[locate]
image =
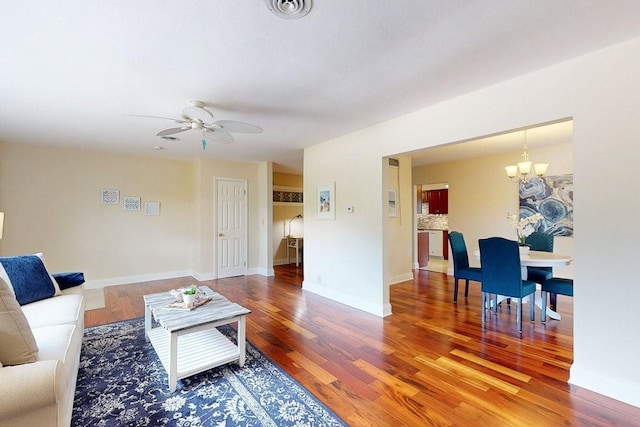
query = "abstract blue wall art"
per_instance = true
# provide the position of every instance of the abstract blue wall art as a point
(552, 197)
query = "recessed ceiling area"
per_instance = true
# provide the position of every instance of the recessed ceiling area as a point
(537, 136)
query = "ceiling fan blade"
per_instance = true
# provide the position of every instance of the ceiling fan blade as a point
(156, 117)
(198, 113)
(172, 131)
(238, 127)
(218, 135)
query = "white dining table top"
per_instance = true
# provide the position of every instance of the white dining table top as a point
(539, 259)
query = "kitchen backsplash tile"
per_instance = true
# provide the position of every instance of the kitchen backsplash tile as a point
(432, 222)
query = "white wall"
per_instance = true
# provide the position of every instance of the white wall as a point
(601, 92)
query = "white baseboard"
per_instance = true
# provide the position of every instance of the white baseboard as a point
(401, 278)
(381, 310)
(200, 277)
(618, 388)
(261, 271)
(101, 283)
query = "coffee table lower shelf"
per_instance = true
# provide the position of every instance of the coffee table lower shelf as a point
(197, 351)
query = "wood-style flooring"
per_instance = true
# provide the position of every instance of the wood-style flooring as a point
(429, 363)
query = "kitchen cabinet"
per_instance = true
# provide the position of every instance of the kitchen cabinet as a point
(435, 243)
(438, 201)
(423, 248)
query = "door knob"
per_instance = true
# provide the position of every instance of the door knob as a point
(220, 234)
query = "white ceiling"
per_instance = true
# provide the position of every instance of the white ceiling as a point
(71, 70)
(536, 136)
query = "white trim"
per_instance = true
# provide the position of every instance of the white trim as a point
(245, 248)
(201, 277)
(348, 300)
(261, 271)
(401, 278)
(616, 388)
(123, 280)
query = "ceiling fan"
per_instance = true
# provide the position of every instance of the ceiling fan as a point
(196, 116)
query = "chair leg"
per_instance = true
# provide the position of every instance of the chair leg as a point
(553, 300)
(532, 306)
(466, 288)
(519, 315)
(455, 290)
(484, 306)
(544, 306)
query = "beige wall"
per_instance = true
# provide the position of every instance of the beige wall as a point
(400, 228)
(481, 196)
(51, 198)
(282, 215)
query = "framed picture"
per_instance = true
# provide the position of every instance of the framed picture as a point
(110, 197)
(393, 205)
(131, 203)
(326, 201)
(152, 208)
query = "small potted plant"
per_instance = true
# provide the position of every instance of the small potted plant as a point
(524, 228)
(189, 295)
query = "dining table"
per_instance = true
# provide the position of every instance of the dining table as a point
(530, 258)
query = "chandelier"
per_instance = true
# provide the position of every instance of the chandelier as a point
(522, 171)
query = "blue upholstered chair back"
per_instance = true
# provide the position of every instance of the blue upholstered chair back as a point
(501, 271)
(458, 251)
(540, 242)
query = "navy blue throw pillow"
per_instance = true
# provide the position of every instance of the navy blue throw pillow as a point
(69, 280)
(29, 278)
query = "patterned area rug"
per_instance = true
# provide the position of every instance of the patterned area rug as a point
(121, 382)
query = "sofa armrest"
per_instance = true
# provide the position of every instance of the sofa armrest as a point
(27, 387)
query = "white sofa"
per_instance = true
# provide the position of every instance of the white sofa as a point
(41, 393)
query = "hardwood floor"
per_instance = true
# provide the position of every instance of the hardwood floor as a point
(430, 363)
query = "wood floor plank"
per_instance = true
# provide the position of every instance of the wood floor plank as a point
(431, 362)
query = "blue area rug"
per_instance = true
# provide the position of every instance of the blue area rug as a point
(121, 382)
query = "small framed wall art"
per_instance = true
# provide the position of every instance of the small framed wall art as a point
(326, 201)
(110, 197)
(131, 203)
(393, 206)
(152, 208)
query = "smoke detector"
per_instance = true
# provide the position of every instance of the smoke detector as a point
(289, 9)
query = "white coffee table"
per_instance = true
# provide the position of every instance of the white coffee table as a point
(187, 342)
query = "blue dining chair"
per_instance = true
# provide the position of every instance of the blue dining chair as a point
(502, 275)
(461, 269)
(555, 286)
(539, 242)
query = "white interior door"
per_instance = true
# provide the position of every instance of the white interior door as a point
(232, 227)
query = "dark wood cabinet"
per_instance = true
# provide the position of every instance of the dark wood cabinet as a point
(445, 244)
(423, 249)
(438, 201)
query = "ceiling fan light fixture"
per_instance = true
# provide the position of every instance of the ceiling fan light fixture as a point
(289, 9)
